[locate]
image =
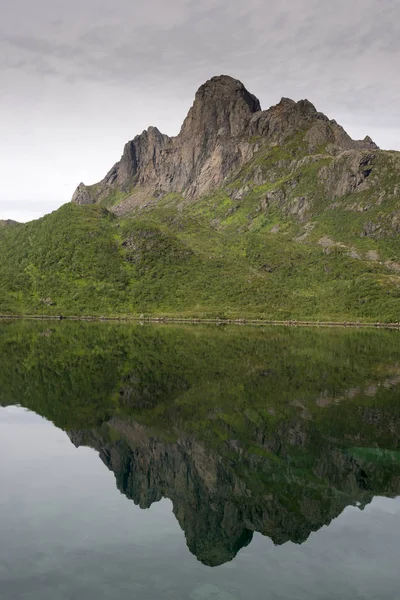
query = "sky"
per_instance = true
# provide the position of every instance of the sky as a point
(80, 78)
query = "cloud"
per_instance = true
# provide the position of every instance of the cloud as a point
(146, 40)
(337, 47)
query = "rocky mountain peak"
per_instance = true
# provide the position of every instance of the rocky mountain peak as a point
(222, 107)
(216, 139)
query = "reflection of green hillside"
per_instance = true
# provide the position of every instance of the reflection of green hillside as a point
(273, 430)
(227, 378)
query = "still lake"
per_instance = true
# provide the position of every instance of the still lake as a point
(198, 462)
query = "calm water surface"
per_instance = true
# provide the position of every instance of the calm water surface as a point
(198, 463)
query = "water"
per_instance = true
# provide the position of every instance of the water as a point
(198, 463)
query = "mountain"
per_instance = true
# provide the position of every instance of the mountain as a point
(275, 431)
(274, 214)
(224, 130)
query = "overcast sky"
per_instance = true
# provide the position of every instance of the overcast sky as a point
(79, 78)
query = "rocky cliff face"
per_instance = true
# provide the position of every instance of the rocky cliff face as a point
(224, 129)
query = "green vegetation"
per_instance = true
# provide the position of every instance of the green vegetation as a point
(281, 250)
(218, 382)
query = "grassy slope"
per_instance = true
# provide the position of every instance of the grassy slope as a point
(218, 256)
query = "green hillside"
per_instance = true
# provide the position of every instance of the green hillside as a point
(215, 257)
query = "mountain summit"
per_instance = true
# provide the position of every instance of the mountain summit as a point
(222, 131)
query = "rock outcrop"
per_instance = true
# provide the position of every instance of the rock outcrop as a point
(7, 223)
(347, 173)
(222, 131)
(82, 195)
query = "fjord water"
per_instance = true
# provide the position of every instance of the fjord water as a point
(198, 462)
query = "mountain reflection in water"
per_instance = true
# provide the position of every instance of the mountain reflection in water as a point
(270, 430)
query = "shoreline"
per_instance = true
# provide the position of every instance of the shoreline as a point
(216, 321)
